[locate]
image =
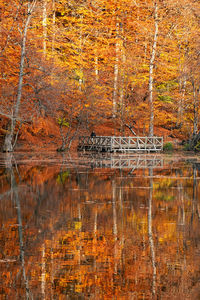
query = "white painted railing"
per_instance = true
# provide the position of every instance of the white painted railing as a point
(121, 144)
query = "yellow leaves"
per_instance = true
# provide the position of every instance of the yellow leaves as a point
(165, 183)
(167, 231)
(78, 74)
(78, 288)
(62, 177)
(77, 225)
(63, 122)
(160, 187)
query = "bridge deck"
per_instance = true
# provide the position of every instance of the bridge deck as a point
(120, 144)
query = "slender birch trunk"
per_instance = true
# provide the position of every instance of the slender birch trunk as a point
(8, 143)
(44, 24)
(96, 63)
(195, 108)
(121, 93)
(81, 53)
(96, 58)
(53, 26)
(116, 71)
(151, 71)
(182, 86)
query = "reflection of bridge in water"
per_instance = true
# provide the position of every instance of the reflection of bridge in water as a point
(122, 161)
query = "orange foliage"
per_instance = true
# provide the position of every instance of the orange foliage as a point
(75, 51)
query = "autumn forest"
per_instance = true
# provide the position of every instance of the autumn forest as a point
(107, 225)
(70, 67)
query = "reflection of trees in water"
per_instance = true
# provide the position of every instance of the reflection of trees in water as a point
(28, 200)
(97, 234)
(195, 211)
(11, 169)
(150, 231)
(195, 204)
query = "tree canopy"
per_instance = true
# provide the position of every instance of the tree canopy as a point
(99, 62)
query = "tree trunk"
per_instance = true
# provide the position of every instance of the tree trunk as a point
(195, 108)
(96, 58)
(44, 24)
(53, 26)
(96, 61)
(122, 81)
(80, 54)
(182, 87)
(116, 72)
(151, 69)
(8, 143)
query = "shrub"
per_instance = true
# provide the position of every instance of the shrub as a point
(168, 147)
(186, 147)
(197, 146)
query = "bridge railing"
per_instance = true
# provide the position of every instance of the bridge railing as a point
(94, 143)
(137, 143)
(122, 144)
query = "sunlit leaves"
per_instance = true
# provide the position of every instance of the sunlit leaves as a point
(62, 177)
(63, 122)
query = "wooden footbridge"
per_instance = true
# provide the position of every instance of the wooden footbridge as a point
(120, 144)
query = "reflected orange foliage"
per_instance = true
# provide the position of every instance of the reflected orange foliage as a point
(86, 232)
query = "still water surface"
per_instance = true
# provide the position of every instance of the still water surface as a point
(99, 227)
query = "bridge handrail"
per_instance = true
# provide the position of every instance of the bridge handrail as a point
(123, 142)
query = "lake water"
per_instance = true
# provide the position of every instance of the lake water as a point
(99, 227)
